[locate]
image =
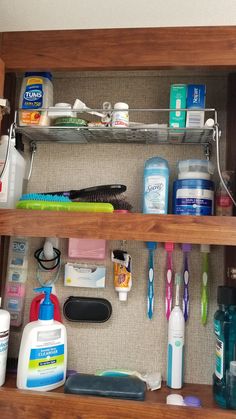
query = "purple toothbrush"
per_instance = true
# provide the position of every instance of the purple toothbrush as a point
(186, 248)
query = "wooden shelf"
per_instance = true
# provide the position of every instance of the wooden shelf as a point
(132, 226)
(19, 404)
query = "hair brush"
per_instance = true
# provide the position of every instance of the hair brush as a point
(94, 193)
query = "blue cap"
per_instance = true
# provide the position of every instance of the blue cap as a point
(47, 75)
(192, 401)
(46, 310)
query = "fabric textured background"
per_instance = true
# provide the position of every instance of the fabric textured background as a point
(129, 339)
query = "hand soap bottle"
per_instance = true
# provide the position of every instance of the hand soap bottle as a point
(43, 350)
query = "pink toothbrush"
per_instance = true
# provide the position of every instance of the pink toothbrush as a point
(169, 247)
(186, 248)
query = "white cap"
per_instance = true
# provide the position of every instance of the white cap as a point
(176, 399)
(233, 367)
(123, 296)
(121, 105)
(210, 122)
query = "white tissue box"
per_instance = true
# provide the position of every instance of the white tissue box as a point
(84, 276)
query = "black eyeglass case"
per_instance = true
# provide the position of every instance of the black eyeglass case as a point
(87, 309)
(126, 387)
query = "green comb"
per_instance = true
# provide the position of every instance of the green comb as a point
(65, 206)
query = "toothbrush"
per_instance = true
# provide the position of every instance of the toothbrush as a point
(205, 250)
(175, 358)
(169, 247)
(186, 248)
(150, 297)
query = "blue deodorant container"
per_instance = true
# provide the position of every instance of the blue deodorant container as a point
(156, 183)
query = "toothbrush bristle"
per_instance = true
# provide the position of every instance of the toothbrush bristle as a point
(169, 246)
(186, 247)
(177, 279)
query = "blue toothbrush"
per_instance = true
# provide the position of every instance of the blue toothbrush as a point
(150, 297)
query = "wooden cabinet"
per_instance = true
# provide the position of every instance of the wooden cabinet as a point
(117, 49)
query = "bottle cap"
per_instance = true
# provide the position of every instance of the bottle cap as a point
(226, 295)
(39, 74)
(192, 401)
(121, 105)
(176, 399)
(123, 296)
(233, 367)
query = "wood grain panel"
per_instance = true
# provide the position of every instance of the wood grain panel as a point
(21, 404)
(118, 49)
(159, 228)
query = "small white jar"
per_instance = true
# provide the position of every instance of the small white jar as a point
(120, 115)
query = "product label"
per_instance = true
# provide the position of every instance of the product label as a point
(33, 95)
(46, 366)
(122, 275)
(155, 195)
(219, 367)
(32, 99)
(194, 202)
(4, 336)
(219, 360)
(217, 327)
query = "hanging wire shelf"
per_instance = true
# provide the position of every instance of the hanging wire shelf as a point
(138, 133)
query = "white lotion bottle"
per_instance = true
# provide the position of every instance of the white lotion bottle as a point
(4, 336)
(43, 350)
(176, 328)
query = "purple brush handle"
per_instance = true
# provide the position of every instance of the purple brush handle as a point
(186, 289)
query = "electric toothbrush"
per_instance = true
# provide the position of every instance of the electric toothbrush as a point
(176, 328)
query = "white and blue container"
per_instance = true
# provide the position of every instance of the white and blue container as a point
(156, 183)
(43, 350)
(36, 94)
(193, 191)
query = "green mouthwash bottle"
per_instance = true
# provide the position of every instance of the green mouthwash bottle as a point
(225, 331)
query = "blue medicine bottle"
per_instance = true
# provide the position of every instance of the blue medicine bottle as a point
(225, 331)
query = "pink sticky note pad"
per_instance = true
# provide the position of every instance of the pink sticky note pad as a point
(87, 249)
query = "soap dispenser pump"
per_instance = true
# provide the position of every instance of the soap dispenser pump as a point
(43, 350)
(46, 310)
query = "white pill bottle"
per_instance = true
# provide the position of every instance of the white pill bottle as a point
(36, 95)
(120, 115)
(4, 336)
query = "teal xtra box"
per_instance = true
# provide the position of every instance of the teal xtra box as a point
(178, 95)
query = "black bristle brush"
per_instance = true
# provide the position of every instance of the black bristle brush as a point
(102, 193)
